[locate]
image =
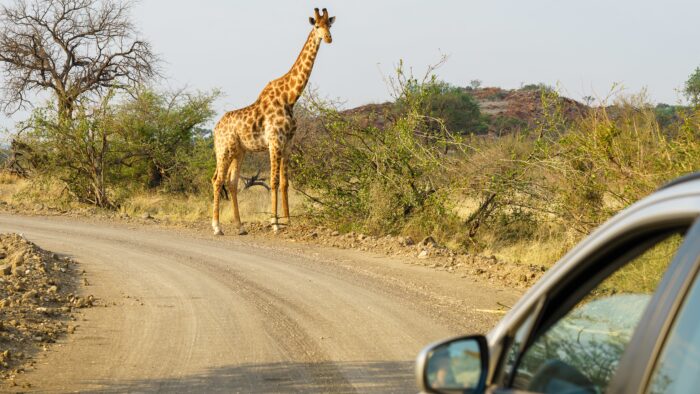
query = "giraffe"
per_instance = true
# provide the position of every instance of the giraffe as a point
(267, 124)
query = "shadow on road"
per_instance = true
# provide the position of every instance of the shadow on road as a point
(325, 377)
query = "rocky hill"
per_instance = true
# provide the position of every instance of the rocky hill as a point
(509, 109)
(504, 110)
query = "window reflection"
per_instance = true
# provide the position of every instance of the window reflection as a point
(580, 352)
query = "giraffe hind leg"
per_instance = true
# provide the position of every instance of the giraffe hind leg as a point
(284, 187)
(235, 170)
(222, 165)
(275, 156)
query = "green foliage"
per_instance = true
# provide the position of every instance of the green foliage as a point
(503, 124)
(407, 173)
(667, 115)
(538, 87)
(607, 163)
(455, 107)
(578, 174)
(379, 181)
(161, 141)
(148, 140)
(76, 150)
(692, 87)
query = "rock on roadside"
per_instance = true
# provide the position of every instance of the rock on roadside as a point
(37, 296)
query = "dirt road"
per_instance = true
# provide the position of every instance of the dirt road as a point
(187, 312)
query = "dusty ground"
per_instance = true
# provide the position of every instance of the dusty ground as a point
(426, 252)
(190, 312)
(37, 303)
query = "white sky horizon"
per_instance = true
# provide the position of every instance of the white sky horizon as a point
(584, 48)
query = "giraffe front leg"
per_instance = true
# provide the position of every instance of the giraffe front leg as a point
(275, 158)
(284, 187)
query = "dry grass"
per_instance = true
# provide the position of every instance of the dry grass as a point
(10, 185)
(26, 194)
(254, 206)
(254, 203)
(537, 252)
(7, 178)
(544, 248)
(643, 274)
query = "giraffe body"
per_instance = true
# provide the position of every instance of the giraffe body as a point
(267, 124)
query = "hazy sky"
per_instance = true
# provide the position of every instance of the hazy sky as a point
(585, 46)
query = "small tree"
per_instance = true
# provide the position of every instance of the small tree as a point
(158, 132)
(692, 88)
(141, 141)
(75, 150)
(456, 108)
(71, 48)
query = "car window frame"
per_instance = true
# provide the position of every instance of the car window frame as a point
(597, 266)
(633, 376)
(501, 375)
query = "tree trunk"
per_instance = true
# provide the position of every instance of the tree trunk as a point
(155, 176)
(66, 106)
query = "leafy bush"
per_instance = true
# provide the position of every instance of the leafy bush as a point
(74, 150)
(143, 141)
(363, 178)
(161, 141)
(580, 174)
(455, 107)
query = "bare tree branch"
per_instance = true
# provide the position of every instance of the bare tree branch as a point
(72, 48)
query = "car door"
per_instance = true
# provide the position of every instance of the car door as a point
(676, 367)
(577, 338)
(664, 357)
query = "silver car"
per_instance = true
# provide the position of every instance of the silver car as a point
(620, 313)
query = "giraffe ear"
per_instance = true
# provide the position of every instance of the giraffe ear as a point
(331, 20)
(312, 20)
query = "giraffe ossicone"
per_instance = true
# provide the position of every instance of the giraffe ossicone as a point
(267, 124)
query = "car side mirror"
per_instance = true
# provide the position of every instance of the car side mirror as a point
(458, 365)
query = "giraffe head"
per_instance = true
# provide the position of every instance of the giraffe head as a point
(322, 25)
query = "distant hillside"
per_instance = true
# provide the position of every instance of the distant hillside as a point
(504, 110)
(509, 109)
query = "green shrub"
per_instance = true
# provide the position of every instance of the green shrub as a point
(150, 140)
(578, 174)
(375, 180)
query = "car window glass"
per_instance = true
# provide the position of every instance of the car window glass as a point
(579, 353)
(678, 368)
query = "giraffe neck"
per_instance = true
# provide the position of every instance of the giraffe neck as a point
(299, 74)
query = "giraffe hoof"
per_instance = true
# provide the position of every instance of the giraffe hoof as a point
(242, 231)
(276, 228)
(217, 231)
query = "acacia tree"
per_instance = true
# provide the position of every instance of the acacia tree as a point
(72, 48)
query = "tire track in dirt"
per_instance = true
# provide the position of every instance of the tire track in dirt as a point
(222, 315)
